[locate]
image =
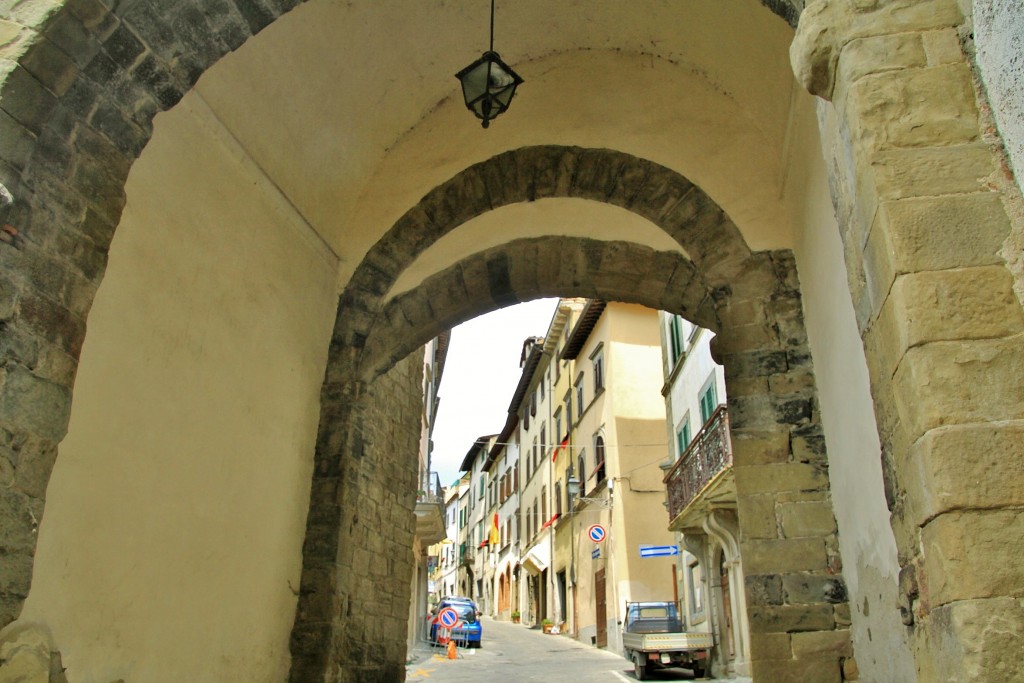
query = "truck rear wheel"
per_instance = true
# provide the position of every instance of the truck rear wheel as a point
(640, 666)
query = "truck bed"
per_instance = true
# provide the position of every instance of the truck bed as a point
(667, 642)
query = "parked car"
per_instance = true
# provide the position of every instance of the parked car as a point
(469, 631)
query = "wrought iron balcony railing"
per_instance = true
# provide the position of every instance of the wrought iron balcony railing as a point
(709, 453)
(430, 490)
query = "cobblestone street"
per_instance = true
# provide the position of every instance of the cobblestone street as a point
(512, 652)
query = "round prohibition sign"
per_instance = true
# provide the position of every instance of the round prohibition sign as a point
(448, 617)
(596, 533)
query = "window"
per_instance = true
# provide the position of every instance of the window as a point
(536, 517)
(558, 498)
(558, 423)
(542, 389)
(544, 505)
(543, 445)
(583, 472)
(675, 336)
(683, 436)
(708, 401)
(519, 525)
(695, 583)
(568, 412)
(599, 459)
(579, 396)
(483, 486)
(598, 362)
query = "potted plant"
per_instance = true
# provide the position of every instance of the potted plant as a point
(546, 624)
(515, 617)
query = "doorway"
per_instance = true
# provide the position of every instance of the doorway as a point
(601, 608)
(727, 625)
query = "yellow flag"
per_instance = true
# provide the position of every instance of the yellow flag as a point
(495, 537)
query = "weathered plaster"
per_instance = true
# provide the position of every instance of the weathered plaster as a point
(999, 41)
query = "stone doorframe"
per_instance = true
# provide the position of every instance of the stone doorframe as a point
(751, 299)
(921, 194)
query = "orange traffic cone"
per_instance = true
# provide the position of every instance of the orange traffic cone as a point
(452, 653)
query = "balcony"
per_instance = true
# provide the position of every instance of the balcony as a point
(702, 477)
(430, 509)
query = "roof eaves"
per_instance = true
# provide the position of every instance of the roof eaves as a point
(584, 326)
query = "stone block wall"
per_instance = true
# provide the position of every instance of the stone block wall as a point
(352, 619)
(797, 602)
(927, 219)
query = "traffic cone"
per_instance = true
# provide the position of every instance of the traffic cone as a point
(452, 653)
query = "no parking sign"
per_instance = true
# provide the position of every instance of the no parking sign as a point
(448, 618)
(596, 533)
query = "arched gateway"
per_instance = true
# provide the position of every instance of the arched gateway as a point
(287, 241)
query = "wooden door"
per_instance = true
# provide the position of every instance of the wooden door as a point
(727, 625)
(601, 606)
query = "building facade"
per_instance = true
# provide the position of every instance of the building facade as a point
(701, 495)
(619, 440)
(430, 510)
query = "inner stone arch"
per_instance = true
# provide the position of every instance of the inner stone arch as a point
(752, 299)
(654, 192)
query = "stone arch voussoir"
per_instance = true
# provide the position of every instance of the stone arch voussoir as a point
(531, 268)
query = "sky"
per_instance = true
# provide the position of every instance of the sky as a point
(480, 374)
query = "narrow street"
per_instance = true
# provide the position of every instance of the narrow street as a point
(512, 652)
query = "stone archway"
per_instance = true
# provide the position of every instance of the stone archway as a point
(85, 82)
(79, 100)
(88, 81)
(750, 298)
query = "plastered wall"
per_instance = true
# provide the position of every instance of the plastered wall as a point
(171, 545)
(870, 566)
(999, 41)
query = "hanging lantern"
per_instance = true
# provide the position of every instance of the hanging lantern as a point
(488, 84)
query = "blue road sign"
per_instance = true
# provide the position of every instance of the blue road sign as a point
(596, 533)
(658, 550)
(595, 553)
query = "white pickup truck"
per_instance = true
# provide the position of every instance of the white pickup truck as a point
(653, 638)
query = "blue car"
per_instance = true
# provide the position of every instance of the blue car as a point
(468, 632)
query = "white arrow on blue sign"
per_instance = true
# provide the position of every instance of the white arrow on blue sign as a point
(595, 553)
(658, 550)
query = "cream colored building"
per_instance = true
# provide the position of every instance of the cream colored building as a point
(430, 498)
(447, 551)
(619, 443)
